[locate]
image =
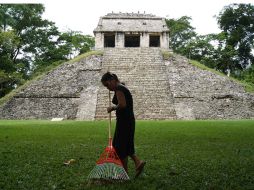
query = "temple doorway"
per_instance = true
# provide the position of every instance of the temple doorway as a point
(109, 40)
(131, 40)
(154, 41)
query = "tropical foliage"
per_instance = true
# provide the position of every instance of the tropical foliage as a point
(230, 51)
(29, 43)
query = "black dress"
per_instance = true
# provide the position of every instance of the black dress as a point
(123, 140)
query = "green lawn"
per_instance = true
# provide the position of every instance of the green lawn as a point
(179, 154)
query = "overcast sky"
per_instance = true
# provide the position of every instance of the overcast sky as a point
(83, 15)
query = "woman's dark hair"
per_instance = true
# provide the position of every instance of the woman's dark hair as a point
(109, 76)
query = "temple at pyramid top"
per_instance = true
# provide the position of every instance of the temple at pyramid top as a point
(122, 30)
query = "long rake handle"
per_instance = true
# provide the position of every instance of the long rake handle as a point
(109, 126)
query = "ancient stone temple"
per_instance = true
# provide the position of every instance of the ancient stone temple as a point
(132, 46)
(131, 30)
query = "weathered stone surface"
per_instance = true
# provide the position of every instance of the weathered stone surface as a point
(64, 92)
(88, 99)
(39, 108)
(172, 89)
(120, 25)
(143, 72)
(201, 94)
(131, 22)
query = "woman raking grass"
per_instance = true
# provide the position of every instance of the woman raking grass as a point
(123, 140)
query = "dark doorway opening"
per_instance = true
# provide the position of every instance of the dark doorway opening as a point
(154, 41)
(132, 41)
(109, 40)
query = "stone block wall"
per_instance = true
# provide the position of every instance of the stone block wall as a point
(62, 93)
(119, 39)
(202, 94)
(99, 40)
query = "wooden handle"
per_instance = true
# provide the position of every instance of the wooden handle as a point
(109, 127)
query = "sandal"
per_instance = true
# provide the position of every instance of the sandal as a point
(140, 168)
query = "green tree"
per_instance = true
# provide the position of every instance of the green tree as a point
(37, 35)
(181, 34)
(8, 42)
(201, 47)
(29, 43)
(74, 43)
(237, 23)
(185, 41)
(24, 35)
(8, 71)
(248, 75)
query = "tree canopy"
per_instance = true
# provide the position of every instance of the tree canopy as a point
(181, 34)
(28, 43)
(230, 51)
(237, 23)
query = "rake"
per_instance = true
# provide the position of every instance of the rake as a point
(109, 166)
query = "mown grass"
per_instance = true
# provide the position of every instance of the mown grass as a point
(179, 154)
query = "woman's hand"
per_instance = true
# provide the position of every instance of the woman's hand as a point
(110, 109)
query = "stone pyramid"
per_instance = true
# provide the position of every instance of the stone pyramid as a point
(162, 89)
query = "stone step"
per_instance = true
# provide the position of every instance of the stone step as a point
(144, 73)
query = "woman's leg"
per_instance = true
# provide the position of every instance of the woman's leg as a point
(136, 160)
(139, 164)
(125, 163)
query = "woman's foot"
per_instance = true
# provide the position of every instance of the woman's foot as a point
(140, 168)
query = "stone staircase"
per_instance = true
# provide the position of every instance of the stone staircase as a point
(144, 73)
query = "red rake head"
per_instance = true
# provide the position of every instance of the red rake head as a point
(109, 156)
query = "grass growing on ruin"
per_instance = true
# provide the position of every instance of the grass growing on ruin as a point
(179, 154)
(167, 55)
(87, 54)
(247, 86)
